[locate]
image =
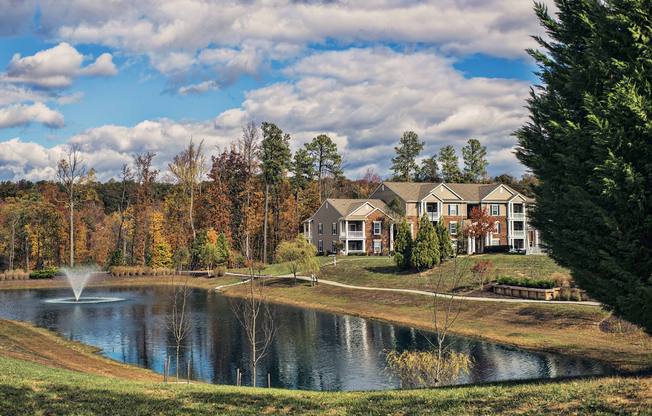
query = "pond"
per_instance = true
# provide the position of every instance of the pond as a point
(312, 350)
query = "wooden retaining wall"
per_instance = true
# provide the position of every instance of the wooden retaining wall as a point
(538, 294)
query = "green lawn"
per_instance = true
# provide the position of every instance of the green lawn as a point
(27, 388)
(382, 272)
(280, 268)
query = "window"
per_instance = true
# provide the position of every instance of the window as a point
(452, 228)
(452, 210)
(377, 227)
(497, 228)
(334, 228)
(327, 205)
(517, 208)
(333, 246)
(320, 246)
(494, 210)
(378, 246)
(320, 229)
(519, 226)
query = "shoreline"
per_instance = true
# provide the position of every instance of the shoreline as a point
(534, 327)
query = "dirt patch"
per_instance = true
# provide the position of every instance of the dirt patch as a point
(25, 342)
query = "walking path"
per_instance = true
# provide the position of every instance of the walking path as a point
(423, 292)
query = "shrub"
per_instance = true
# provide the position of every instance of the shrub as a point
(221, 271)
(503, 248)
(42, 274)
(2, 276)
(564, 294)
(384, 251)
(148, 271)
(576, 295)
(360, 254)
(525, 282)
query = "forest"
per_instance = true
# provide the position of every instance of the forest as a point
(238, 205)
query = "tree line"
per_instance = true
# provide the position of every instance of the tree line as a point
(235, 207)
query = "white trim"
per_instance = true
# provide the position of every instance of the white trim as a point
(498, 187)
(491, 210)
(433, 194)
(517, 196)
(356, 210)
(373, 228)
(456, 228)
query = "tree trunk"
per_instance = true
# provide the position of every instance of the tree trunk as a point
(13, 244)
(192, 223)
(27, 253)
(253, 332)
(72, 236)
(265, 223)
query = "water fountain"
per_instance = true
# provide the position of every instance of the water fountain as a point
(78, 278)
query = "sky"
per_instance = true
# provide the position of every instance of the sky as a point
(123, 77)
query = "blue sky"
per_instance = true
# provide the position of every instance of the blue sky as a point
(127, 77)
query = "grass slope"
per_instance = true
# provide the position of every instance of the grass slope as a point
(29, 388)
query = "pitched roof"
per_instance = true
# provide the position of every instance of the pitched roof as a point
(411, 191)
(347, 206)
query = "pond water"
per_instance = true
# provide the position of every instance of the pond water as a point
(312, 350)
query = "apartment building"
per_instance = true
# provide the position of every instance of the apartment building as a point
(447, 202)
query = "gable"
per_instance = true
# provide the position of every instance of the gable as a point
(444, 193)
(501, 193)
(432, 197)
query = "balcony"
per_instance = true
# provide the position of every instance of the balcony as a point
(308, 235)
(433, 216)
(355, 234)
(517, 216)
(518, 234)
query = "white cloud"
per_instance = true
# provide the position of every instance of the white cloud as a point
(178, 35)
(55, 68)
(22, 114)
(31, 161)
(362, 98)
(199, 88)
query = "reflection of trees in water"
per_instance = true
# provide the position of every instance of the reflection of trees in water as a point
(312, 350)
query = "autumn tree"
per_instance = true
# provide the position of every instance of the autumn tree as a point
(404, 164)
(71, 173)
(450, 168)
(475, 160)
(188, 168)
(482, 224)
(145, 176)
(249, 148)
(275, 156)
(323, 153)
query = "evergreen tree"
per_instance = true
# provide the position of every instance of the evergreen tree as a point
(117, 259)
(445, 244)
(407, 152)
(403, 246)
(302, 170)
(275, 155)
(323, 153)
(223, 249)
(475, 160)
(429, 170)
(589, 142)
(425, 250)
(450, 168)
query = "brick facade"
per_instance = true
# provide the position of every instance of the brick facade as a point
(369, 231)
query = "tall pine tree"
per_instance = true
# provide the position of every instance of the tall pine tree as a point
(589, 142)
(450, 165)
(475, 160)
(404, 164)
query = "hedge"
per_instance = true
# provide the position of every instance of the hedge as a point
(525, 282)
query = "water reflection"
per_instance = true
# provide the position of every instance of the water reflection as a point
(311, 350)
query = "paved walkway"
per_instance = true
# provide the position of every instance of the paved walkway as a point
(426, 293)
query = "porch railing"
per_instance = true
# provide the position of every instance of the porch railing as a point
(433, 216)
(355, 234)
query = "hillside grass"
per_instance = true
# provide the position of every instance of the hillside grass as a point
(31, 389)
(383, 272)
(279, 269)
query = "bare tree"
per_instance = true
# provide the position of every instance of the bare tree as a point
(126, 175)
(189, 167)
(179, 322)
(440, 365)
(12, 214)
(248, 146)
(256, 317)
(71, 173)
